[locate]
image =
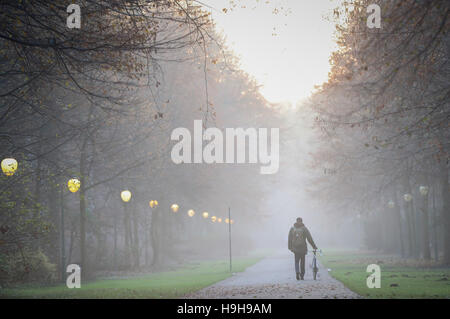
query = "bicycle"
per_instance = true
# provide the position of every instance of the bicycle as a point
(314, 263)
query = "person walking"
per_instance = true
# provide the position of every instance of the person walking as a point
(298, 235)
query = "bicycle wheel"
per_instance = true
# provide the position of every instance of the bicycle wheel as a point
(314, 269)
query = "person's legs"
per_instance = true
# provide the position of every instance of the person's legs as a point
(296, 260)
(302, 266)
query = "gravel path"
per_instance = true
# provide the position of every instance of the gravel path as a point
(273, 278)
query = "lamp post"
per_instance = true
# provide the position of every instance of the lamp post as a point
(153, 204)
(157, 231)
(125, 195)
(191, 213)
(230, 221)
(426, 243)
(391, 205)
(174, 208)
(360, 225)
(408, 198)
(435, 228)
(73, 185)
(204, 226)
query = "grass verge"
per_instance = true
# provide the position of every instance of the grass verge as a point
(170, 284)
(399, 278)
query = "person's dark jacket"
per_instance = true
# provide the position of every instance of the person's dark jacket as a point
(303, 248)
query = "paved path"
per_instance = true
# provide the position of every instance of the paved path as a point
(273, 278)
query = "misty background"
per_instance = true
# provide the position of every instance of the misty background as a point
(99, 104)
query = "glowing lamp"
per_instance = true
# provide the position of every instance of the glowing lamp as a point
(205, 214)
(407, 197)
(9, 166)
(423, 190)
(125, 195)
(227, 220)
(73, 185)
(213, 219)
(191, 213)
(219, 220)
(174, 208)
(153, 203)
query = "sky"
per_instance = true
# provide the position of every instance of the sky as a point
(287, 53)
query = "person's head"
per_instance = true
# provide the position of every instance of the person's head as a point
(299, 220)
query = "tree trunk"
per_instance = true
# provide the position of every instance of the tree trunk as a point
(155, 237)
(127, 234)
(445, 212)
(115, 241)
(410, 232)
(411, 217)
(37, 190)
(146, 232)
(425, 225)
(399, 224)
(72, 240)
(435, 227)
(82, 191)
(136, 238)
(408, 216)
(54, 210)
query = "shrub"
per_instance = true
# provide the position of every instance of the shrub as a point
(26, 267)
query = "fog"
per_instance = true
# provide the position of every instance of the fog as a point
(158, 106)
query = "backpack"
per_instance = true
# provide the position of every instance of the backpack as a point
(298, 238)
